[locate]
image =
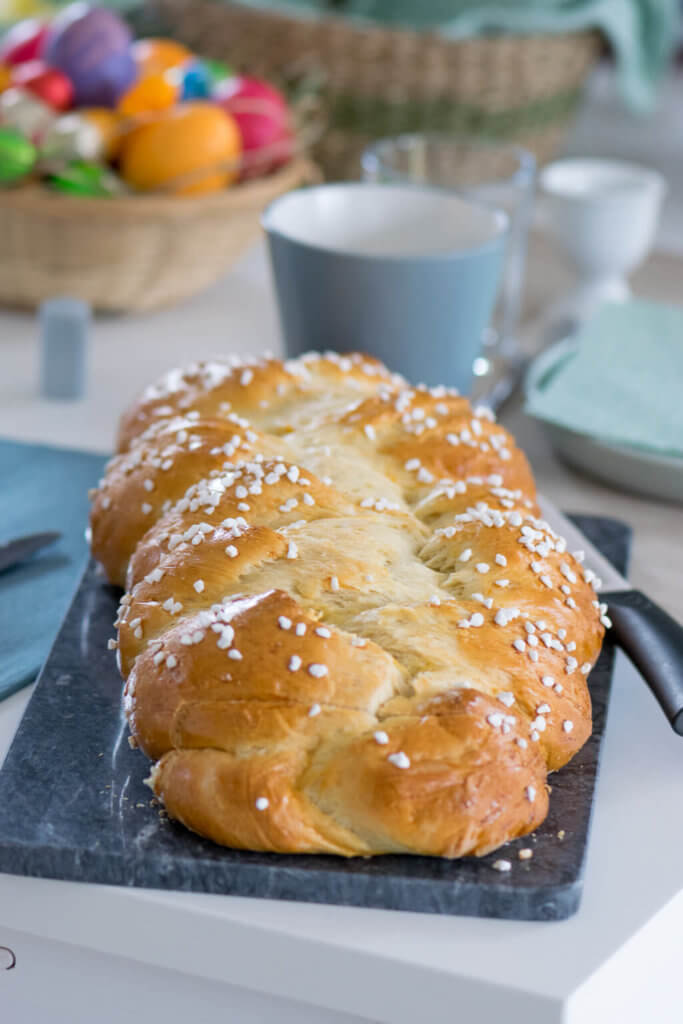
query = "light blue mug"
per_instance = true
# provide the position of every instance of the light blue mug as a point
(405, 273)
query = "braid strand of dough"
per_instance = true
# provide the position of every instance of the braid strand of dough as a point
(345, 628)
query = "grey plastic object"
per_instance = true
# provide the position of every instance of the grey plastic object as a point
(64, 333)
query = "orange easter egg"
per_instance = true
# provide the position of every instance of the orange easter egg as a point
(108, 124)
(184, 150)
(153, 56)
(152, 93)
(5, 77)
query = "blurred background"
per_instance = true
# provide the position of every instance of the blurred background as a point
(141, 142)
(586, 77)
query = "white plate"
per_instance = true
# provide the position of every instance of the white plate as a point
(624, 466)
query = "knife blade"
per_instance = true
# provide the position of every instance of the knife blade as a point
(17, 550)
(577, 541)
(651, 638)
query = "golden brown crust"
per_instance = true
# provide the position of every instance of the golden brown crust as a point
(467, 786)
(262, 648)
(154, 474)
(346, 629)
(203, 789)
(242, 496)
(214, 389)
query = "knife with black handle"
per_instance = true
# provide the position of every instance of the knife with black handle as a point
(651, 638)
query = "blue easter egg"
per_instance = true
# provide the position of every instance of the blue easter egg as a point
(196, 82)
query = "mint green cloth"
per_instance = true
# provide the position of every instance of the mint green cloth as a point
(624, 384)
(642, 33)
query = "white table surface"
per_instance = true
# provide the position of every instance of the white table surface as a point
(153, 953)
(618, 953)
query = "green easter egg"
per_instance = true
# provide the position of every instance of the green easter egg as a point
(17, 155)
(81, 178)
(218, 71)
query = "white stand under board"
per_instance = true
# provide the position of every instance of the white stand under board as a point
(614, 961)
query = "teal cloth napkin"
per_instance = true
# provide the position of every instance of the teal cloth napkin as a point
(623, 384)
(41, 489)
(642, 33)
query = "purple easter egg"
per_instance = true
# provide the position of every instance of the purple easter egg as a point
(91, 45)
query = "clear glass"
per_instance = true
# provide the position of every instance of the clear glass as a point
(499, 174)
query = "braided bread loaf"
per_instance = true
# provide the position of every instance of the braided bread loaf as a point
(345, 629)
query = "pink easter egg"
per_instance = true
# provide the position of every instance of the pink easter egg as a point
(264, 120)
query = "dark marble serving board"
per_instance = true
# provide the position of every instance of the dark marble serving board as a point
(73, 804)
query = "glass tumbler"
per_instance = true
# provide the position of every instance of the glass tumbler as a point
(496, 173)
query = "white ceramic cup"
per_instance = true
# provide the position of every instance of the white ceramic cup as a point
(604, 213)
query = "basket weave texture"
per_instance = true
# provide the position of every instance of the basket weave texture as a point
(133, 252)
(380, 81)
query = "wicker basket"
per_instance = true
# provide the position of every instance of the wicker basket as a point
(129, 253)
(381, 81)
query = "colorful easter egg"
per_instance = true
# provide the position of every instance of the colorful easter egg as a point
(19, 10)
(152, 93)
(191, 149)
(50, 84)
(24, 41)
(27, 113)
(92, 47)
(197, 81)
(217, 70)
(81, 178)
(71, 137)
(264, 121)
(152, 56)
(17, 155)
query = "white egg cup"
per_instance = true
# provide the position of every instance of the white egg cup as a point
(604, 213)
